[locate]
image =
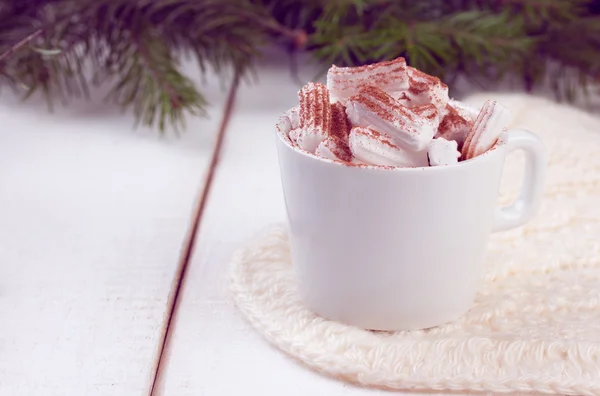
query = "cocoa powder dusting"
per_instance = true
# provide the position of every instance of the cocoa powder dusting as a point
(369, 166)
(400, 64)
(326, 109)
(382, 113)
(468, 150)
(380, 74)
(420, 82)
(404, 96)
(339, 148)
(382, 104)
(318, 111)
(373, 134)
(380, 95)
(315, 111)
(416, 87)
(303, 107)
(340, 125)
(453, 120)
(427, 111)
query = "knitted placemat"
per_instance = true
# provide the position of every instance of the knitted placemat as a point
(535, 325)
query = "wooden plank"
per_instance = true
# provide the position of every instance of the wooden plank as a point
(212, 350)
(92, 220)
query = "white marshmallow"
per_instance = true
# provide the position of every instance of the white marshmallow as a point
(371, 147)
(344, 82)
(424, 89)
(373, 108)
(455, 125)
(284, 126)
(443, 152)
(307, 139)
(489, 124)
(293, 115)
(334, 149)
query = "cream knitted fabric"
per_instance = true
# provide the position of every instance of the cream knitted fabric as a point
(535, 325)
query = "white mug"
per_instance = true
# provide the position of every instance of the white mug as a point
(399, 249)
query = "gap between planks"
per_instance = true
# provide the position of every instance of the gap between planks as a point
(190, 240)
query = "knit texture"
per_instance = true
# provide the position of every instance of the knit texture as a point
(535, 324)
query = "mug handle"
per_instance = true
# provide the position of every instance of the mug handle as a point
(527, 204)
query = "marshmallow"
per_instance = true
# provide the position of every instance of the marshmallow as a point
(429, 112)
(442, 152)
(390, 76)
(315, 111)
(334, 148)
(340, 124)
(424, 89)
(315, 117)
(284, 126)
(289, 121)
(307, 139)
(454, 126)
(375, 109)
(371, 147)
(293, 115)
(489, 124)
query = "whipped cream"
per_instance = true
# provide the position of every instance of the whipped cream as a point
(443, 152)
(344, 82)
(491, 121)
(375, 109)
(371, 147)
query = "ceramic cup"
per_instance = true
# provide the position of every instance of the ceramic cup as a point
(399, 249)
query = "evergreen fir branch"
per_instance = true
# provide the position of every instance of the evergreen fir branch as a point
(577, 57)
(136, 46)
(483, 41)
(21, 44)
(574, 49)
(64, 48)
(471, 40)
(148, 81)
(295, 14)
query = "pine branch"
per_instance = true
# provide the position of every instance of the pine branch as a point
(136, 45)
(577, 56)
(460, 41)
(64, 48)
(21, 44)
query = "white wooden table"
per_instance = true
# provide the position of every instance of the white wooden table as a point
(94, 220)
